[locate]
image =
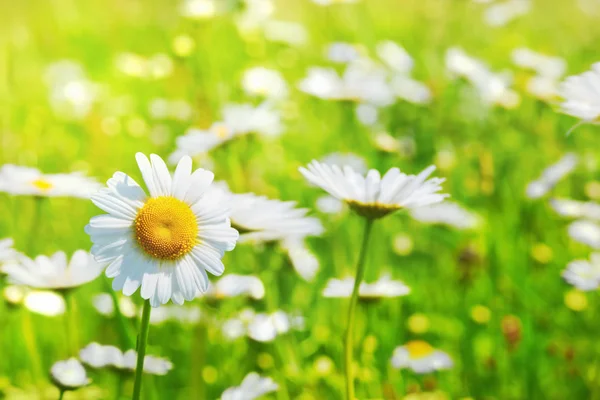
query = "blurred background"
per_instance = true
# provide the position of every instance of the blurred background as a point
(84, 85)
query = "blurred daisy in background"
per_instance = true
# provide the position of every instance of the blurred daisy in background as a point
(576, 209)
(585, 232)
(233, 285)
(303, 260)
(54, 272)
(7, 252)
(384, 287)
(29, 181)
(154, 67)
(373, 196)
(261, 327)
(446, 213)
(268, 83)
(581, 95)
(164, 242)
(198, 9)
(286, 32)
(330, 2)
(420, 357)
(103, 303)
(584, 274)
(501, 14)
(180, 315)
(548, 72)
(99, 356)
(42, 302)
(252, 387)
(342, 52)
(69, 375)
(551, 176)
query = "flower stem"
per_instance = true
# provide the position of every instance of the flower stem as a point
(348, 343)
(126, 337)
(141, 350)
(61, 395)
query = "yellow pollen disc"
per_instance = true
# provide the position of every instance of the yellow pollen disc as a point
(42, 184)
(418, 349)
(372, 210)
(166, 228)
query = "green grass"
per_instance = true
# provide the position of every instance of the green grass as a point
(497, 154)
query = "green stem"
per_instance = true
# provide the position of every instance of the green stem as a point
(61, 395)
(126, 338)
(71, 324)
(35, 221)
(141, 350)
(348, 343)
(31, 343)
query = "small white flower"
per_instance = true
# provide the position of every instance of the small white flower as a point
(542, 87)
(446, 213)
(69, 375)
(103, 303)
(288, 32)
(54, 272)
(233, 285)
(543, 65)
(197, 9)
(420, 357)
(163, 242)
(330, 2)
(384, 287)
(305, 263)
(28, 181)
(71, 93)
(253, 386)
(341, 52)
(260, 81)
(7, 252)
(45, 303)
(256, 13)
(14, 294)
(261, 327)
(100, 356)
(395, 57)
(576, 209)
(581, 95)
(551, 176)
(324, 83)
(584, 274)
(502, 13)
(367, 114)
(585, 232)
(410, 90)
(181, 315)
(374, 196)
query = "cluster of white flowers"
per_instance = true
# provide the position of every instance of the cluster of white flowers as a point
(548, 72)
(382, 288)
(261, 327)
(99, 356)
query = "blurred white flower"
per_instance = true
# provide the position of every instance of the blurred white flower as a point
(163, 243)
(233, 285)
(71, 95)
(263, 119)
(261, 327)
(386, 142)
(358, 163)
(7, 252)
(502, 13)
(69, 375)
(197, 9)
(585, 232)
(54, 272)
(368, 81)
(269, 83)
(252, 387)
(541, 64)
(157, 66)
(581, 95)
(181, 315)
(290, 33)
(329, 205)
(420, 357)
(342, 52)
(446, 213)
(542, 87)
(384, 287)
(584, 274)
(324, 83)
(305, 263)
(178, 109)
(367, 114)
(410, 90)
(28, 181)
(44, 303)
(330, 2)
(395, 57)
(373, 196)
(103, 303)
(100, 356)
(255, 14)
(551, 176)
(14, 294)
(576, 209)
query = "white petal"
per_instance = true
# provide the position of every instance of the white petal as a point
(147, 174)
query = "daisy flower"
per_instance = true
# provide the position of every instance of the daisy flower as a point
(304, 262)
(585, 232)
(103, 303)
(576, 209)
(181, 315)
(233, 285)
(163, 241)
(420, 357)
(581, 94)
(261, 327)
(46, 303)
(384, 287)
(99, 356)
(28, 181)
(551, 176)
(252, 387)
(373, 196)
(446, 213)
(584, 274)
(260, 81)
(69, 375)
(54, 272)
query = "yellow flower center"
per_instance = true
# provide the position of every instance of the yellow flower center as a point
(42, 184)
(166, 228)
(372, 210)
(222, 131)
(418, 349)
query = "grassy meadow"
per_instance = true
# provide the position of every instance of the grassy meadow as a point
(492, 297)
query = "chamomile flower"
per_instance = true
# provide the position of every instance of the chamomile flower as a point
(304, 262)
(69, 375)
(373, 196)
(581, 94)
(54, 272)
(28, 181)
(233, 285)
(7, 252)
(260, 81)
(342, 52)
(446, 213)
(100, 356)
(551, 176)
(252, 387)
(261, 327)
(384, 287)
(576, 209)
(586, 232)
(584, 274)
(46, 303)
(502, 13)
(181, 315)
(163, 242)
(420, 357)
